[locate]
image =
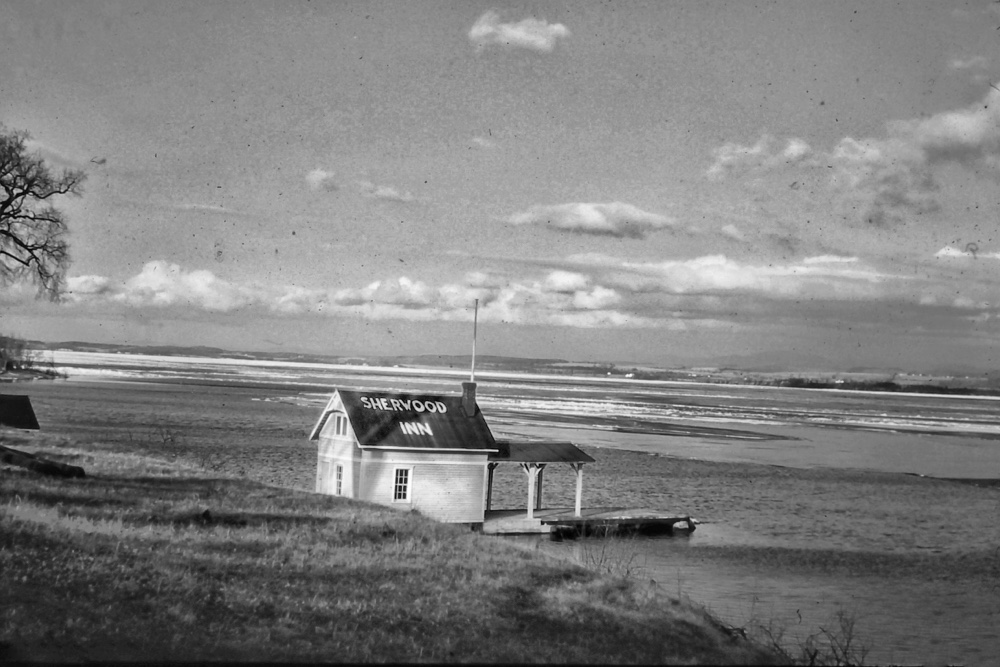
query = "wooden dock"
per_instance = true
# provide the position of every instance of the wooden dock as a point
(592, 521)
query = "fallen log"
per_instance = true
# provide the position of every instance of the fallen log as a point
(37, 464)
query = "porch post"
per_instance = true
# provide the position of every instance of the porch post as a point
(579, 486)
(489, 485)
(538, 495)
(531, 470)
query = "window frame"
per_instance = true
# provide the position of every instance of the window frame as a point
(339, 423)
(407, 495)
(338, 479)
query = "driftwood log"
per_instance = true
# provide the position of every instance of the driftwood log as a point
(38, 464)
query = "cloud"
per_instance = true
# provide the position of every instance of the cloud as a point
(321, 179)
(815, 277)
(402, 292)
(484, 142)
(582, 291)
(732, 157)
(566, 281)
(385, 192)
(53, 155)
(530, 33)
(86, 285)
(969, 137)
(975, 62)
(733, 232)
(611, 219)
(207, 208)
(971, 251)
(888, 178)
(559, 297)
(830, 259)
(891, 178)
(164, 284)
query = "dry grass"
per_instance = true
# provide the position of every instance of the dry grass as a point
(151, 559)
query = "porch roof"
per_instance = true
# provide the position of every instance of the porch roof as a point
(539, 452)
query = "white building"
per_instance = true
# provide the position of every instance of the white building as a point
(430, 453)
(412, 451)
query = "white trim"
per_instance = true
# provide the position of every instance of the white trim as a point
(409, 485)
(426, 449)
(404, 463)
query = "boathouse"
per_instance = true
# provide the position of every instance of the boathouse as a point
(410, 451)
(432, 453)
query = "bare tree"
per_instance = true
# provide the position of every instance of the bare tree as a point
(32, 229)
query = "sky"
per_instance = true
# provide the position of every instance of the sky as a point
(661, 183)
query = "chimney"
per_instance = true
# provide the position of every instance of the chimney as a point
(469, 399)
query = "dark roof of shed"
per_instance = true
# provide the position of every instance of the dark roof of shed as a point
(449, 429)
(16, 412)
(540, 452)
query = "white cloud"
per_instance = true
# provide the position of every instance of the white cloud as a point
(586, 291)
(795, 150)
(484, 142)
(889, 177)
(79, 286)
(163, 284)
(54, 155)
(970, 136)
(566, 281)
(207, 208)
(971, 251)
(530, 33)
(733, 157)
(830, 259)
(561, 297)
(321, 179)
(733, 232)
(386, 192)
(975, 62)
(817, 277)
(610, 219)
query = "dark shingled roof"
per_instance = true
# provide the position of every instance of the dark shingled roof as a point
(539, 452)
(16, 412)
(415, 421)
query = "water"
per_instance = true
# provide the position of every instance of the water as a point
(805, 506)
(935, 435)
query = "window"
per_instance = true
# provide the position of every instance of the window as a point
(401, 486)
(340, 425)
(340, 480)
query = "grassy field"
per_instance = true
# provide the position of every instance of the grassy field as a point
(148, 558)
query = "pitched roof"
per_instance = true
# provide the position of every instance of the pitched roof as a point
(539, 452)
(415, 421)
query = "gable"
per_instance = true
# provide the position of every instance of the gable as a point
(414, 421)
(333, 406)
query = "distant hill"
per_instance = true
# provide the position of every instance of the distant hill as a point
(785, 361)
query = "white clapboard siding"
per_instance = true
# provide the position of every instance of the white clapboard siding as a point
(334, 450)
(441, 484)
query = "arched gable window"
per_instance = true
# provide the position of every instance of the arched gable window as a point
(339, 422)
